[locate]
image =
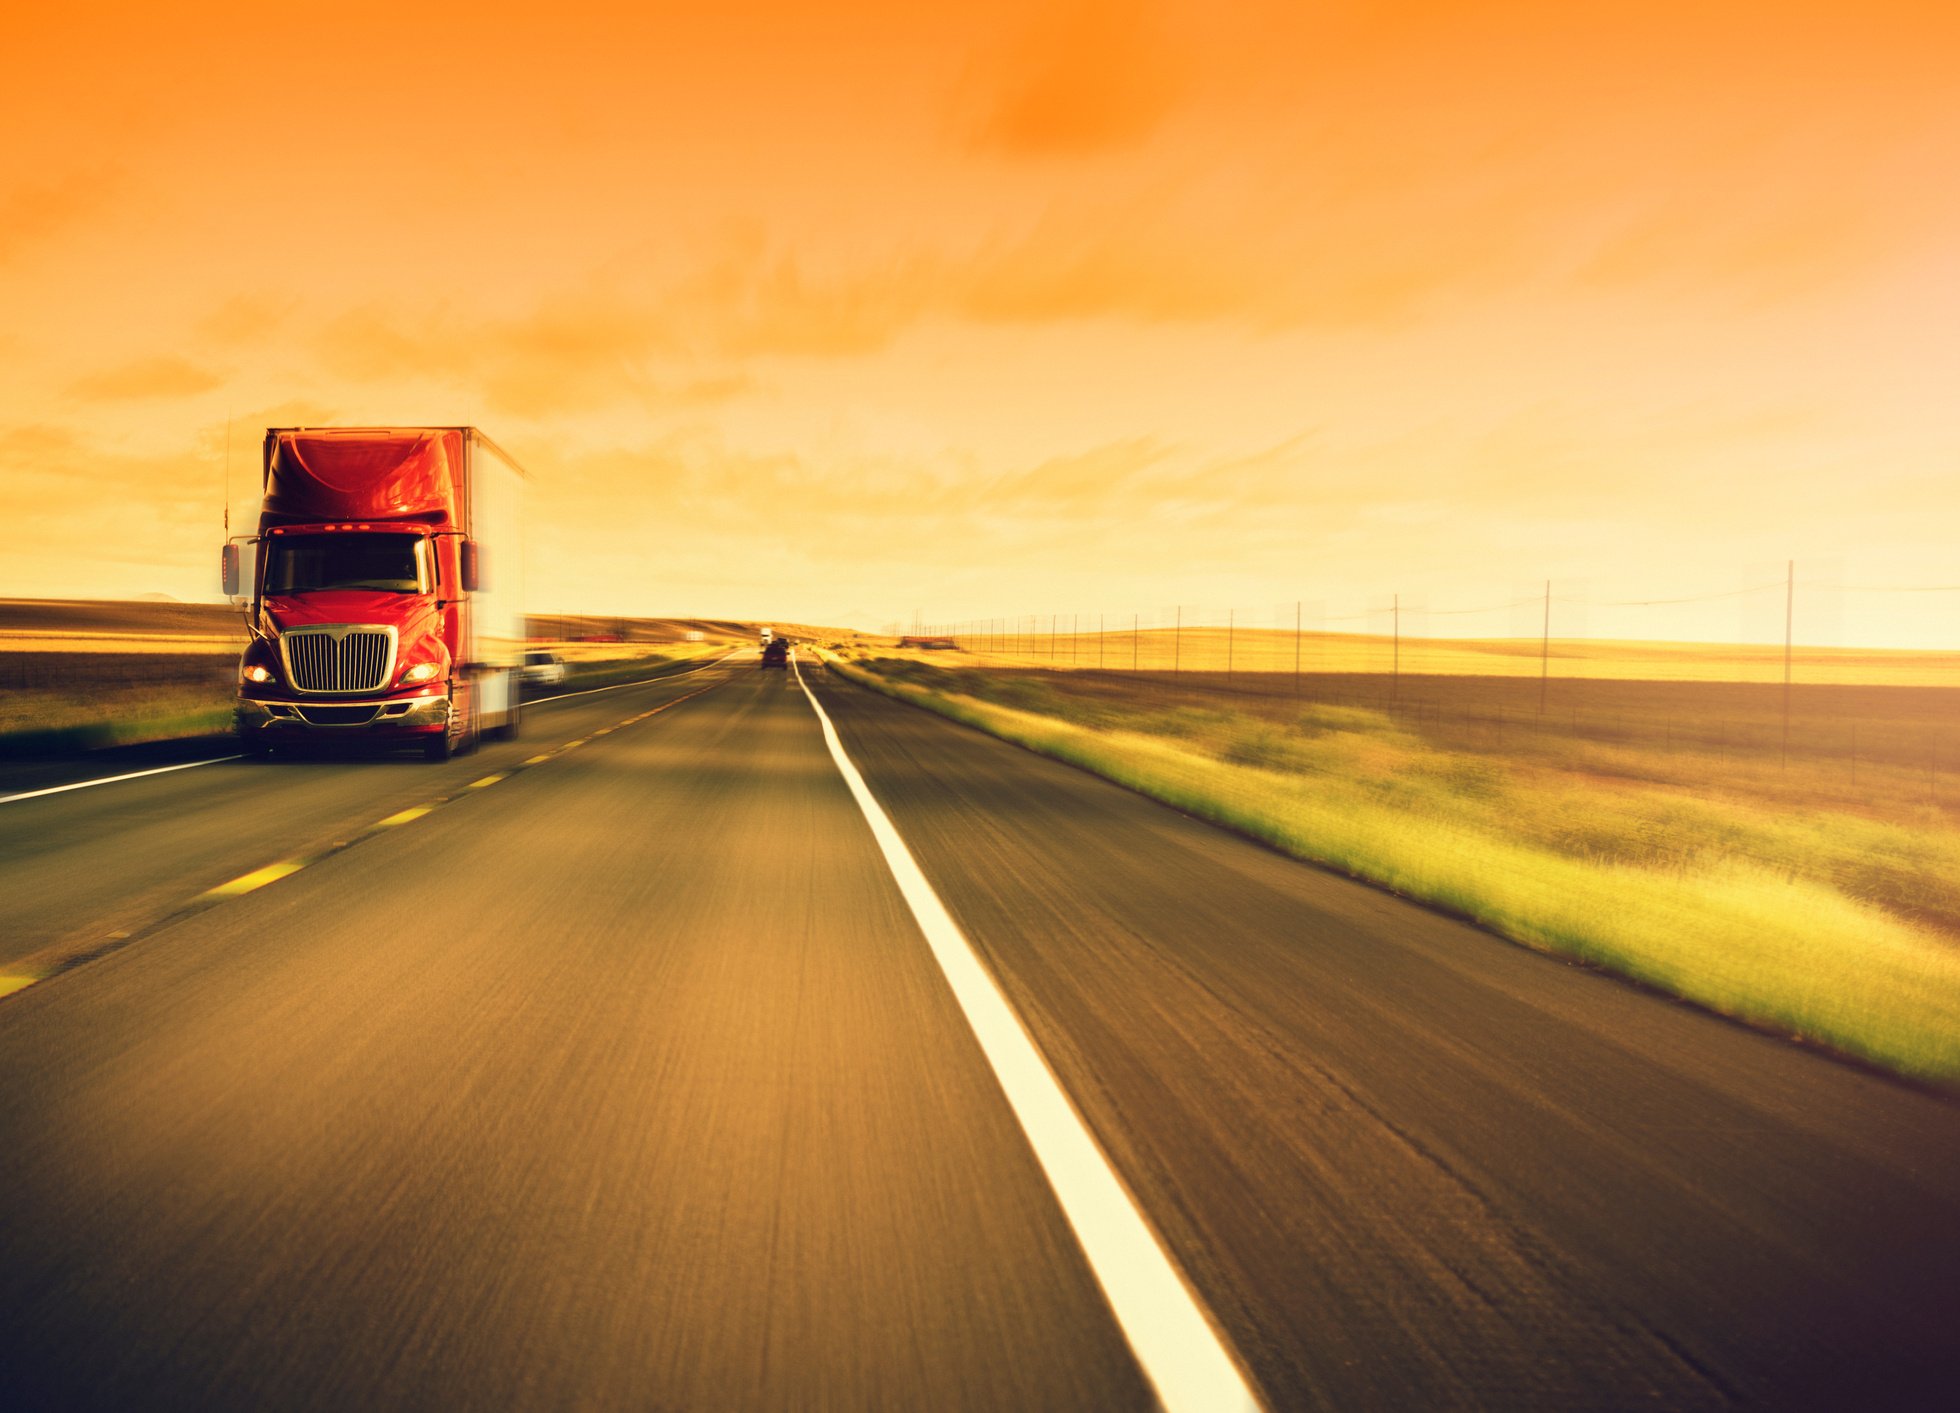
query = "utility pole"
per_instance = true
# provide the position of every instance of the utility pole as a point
(1296, 650)
(1101, 641)
(1789, 621)
(1545, 651)
(1231, 622)
(1136, 639)
(1177, 642)
(1395, 662)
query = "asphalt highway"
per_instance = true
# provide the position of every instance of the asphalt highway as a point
(610, 1068)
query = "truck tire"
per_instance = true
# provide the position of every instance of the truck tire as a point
(447, 742)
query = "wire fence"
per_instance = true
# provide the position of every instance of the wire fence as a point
(1532, 674)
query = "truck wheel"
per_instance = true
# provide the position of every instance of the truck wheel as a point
(449, 741)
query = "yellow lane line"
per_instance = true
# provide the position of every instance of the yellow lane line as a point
(257, 878)
(273, 872)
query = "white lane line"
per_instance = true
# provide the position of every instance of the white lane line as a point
(1180, 1352)
(112, 779)
(666, 677)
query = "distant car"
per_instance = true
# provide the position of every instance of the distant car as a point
(775, 653)
(544, 669)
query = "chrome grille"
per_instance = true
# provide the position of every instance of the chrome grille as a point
(337, 715)
(340, 659)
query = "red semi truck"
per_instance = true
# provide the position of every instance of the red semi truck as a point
(383, 590)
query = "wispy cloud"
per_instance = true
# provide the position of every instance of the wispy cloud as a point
(34, 213)
(245, 319)
(570, 353)
(1086, 77)
(165, 375)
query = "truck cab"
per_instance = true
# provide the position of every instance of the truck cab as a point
(370, 612)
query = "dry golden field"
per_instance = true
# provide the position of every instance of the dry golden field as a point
(1270, 657)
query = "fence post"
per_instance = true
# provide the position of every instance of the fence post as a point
(1789, 617)
(1395, 663)
(1545, 651)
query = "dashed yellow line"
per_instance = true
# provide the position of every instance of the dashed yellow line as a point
(257, 878)
(284, 868)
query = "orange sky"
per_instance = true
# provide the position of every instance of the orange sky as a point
(833, 312)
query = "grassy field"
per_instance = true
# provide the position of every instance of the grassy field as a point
(1654, 828)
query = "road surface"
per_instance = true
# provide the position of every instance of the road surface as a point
(628, 1079)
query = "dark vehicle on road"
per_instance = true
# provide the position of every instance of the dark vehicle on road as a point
(775, 653)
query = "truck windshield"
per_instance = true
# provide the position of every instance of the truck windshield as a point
(302, 564)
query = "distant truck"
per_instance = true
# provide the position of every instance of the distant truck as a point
(768, 636)
(383, 591)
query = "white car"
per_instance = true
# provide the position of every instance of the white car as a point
(544, 669)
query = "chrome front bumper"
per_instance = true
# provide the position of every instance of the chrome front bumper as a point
(328, 717)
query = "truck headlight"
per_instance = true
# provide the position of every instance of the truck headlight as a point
(422, 672)
(255, 673)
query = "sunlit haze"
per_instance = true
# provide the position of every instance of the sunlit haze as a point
(846, 312)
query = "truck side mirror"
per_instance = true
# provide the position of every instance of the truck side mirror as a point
(228, 570)
(472, 566)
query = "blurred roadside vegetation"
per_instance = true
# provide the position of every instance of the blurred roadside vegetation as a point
(1818, 897)
(79, 676)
